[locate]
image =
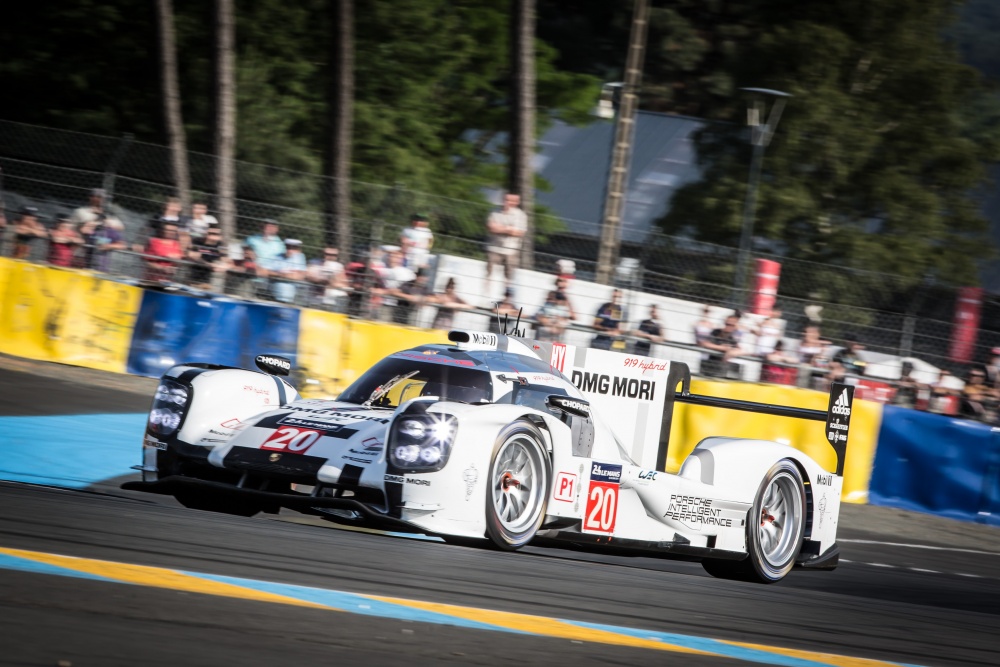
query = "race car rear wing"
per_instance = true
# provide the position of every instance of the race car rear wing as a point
(837, 415)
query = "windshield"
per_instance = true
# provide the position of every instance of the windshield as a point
(418, 378)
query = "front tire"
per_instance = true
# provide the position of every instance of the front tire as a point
(520, 470)
(776, 525)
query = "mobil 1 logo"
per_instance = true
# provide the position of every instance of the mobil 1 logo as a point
(838, 419)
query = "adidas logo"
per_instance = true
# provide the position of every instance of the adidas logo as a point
(842, 406)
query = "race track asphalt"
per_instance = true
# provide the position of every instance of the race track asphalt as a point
(913, 589)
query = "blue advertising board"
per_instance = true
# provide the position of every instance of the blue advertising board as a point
(937, 464)
(177, 328)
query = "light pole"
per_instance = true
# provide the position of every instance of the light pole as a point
(614, 200)
(760, 137)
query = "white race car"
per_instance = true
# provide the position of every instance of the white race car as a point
(497, 439)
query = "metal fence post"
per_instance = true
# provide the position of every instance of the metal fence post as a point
(111, 170)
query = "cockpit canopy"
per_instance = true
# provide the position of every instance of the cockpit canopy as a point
(444, 378)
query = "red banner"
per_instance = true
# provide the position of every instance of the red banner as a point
(966, 327)
(765, 286)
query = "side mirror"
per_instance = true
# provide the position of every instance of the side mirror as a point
(571, 406)
(273, 365)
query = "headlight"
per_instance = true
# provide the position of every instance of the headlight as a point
(169, 404)
(421, 442)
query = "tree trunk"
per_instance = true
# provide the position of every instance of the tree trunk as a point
(225, 119)
(338, 227)
(522, 139)
(172, 103)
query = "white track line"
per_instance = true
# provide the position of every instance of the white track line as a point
(923, 546)
(918, 570)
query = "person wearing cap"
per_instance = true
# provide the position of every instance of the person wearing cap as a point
(27, 231)
(63, 242)
(292, 269)
(268, 248)
(416, 241)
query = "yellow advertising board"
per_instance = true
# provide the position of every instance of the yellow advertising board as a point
(66, 316)
(322, 353)
(693, 423)
(334, 350)
(368, 342)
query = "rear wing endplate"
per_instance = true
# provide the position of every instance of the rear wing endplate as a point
(837, 415)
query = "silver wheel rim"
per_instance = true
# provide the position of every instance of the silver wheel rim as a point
(516, 483)
(780, 512)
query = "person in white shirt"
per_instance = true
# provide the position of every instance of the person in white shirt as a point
(507, 227)
(199, 223)
(328, 276)
(417, 240)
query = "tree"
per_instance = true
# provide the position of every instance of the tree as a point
(521, 175)
(172, 102)
(342, 113)
(874, 164)
(225, 128)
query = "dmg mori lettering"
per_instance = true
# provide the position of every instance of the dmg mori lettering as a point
(598, 383)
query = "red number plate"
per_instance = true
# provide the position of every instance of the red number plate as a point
(292, 440)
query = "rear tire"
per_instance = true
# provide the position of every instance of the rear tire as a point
(776, 525)
(518, 486)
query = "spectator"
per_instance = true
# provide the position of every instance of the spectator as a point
(447, 302)
(907, 388)
(812, 348)
(562, 296)
(978, 400)
(27, 231)
(366, 285)
(199, 223)
(723, 347)
(241, 275)
(411, 295)
(553, 317)
(328, 278)
(3, 228)
(171, 213)
(849, 358)
(292, 269)
(704, 327)
(63, 242)
(164, 252)
(416, 241)
(506, 228)
(101, 235)
(769, 332)
(943, 396)
(394, 275)
(209, 261)
(505, 308)
(94, 208)
(992, 369)
(608, 322)
(779, 365)
(268, 248)
(650, 331)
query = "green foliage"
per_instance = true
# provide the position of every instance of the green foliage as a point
(877, 154)
(427, 72)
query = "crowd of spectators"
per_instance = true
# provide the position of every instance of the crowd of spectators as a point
(394, 283)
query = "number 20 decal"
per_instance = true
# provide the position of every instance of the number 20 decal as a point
(602, 507)
(290, 439)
